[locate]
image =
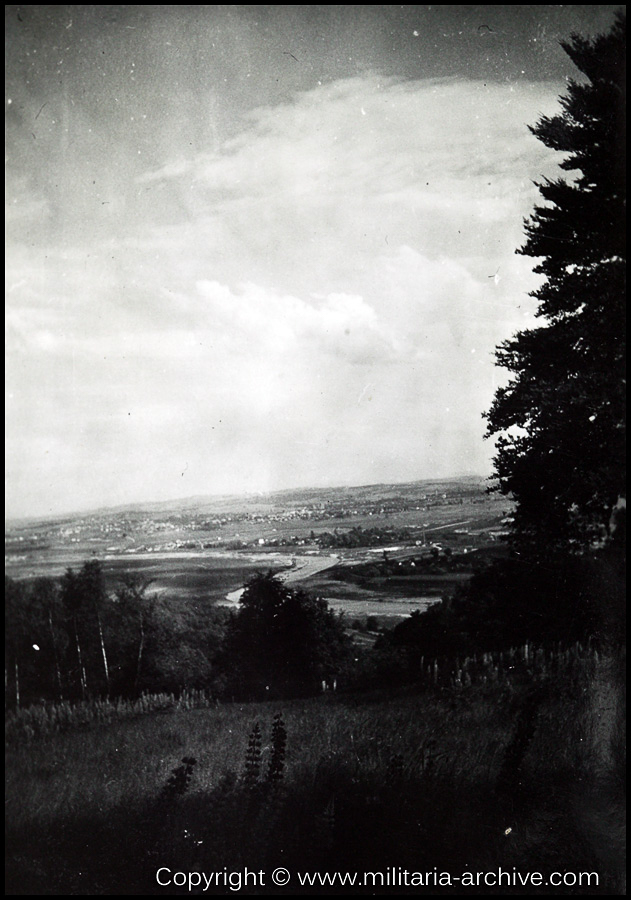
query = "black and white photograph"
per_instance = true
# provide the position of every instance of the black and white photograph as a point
(315, 442)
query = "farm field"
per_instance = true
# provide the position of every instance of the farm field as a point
(200, 575)
(205, 549)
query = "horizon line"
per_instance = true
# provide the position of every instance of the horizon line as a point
(120, 507)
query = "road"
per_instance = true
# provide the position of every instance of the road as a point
(303, 567)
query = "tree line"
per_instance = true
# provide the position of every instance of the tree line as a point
(71, 639)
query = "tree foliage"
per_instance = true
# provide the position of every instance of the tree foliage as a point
(282, 642)
(560, 421)
(503, 606)
(71, 638)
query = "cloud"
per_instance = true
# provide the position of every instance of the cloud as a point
(374, 141)
(312, 191)
(170, 170)
(316, 301)
(258, 321)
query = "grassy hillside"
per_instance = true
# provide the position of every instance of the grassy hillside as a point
(511, 770)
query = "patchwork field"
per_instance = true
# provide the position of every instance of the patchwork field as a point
(207, 548)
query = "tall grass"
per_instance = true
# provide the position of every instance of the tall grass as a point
(512, 667)
(42, 720)
(418, 778)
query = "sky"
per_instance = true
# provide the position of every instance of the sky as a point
(259, 247)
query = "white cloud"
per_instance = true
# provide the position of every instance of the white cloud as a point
(312, 192)
(414, 135)
(341, 324)
(300, 306)
(170, 170)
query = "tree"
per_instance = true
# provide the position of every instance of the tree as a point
(16, 637)
(46, 601)
(134, 605)
(85, 599)
(73, 602)
(281, 642)
(560, 420)
(502, 606)
(92, 581)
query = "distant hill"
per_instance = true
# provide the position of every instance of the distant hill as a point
(216, 504)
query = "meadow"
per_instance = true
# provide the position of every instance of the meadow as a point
(504, 760)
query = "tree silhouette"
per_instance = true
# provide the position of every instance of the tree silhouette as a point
(73, 601)
(85, 600)
(135, 606)
(16, 638)
(281, 642)
(560, 420)
(92, 581)
(47, 607)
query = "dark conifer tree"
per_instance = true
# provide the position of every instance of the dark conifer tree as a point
(560, 421)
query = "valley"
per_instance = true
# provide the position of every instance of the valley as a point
(379, 550)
